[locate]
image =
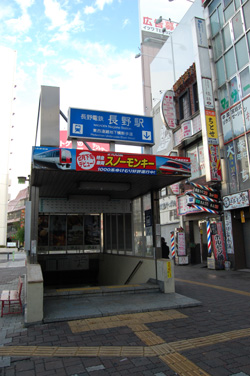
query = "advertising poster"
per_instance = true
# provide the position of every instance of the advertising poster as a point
(111, 162)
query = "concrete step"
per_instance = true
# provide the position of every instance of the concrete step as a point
(72, 292)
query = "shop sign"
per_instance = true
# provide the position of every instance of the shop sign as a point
(182, 206)
(235, 201)
(206, 193)
(208, 93)
(188, 129)
(219, 244)
(211, 127)
(168, 109)
(149, 24)
(181, 243)
(204, 203)
(201, 32)
(175, 188)
(229, 232)
(215, 165)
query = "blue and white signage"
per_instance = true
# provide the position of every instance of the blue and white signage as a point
(110, 126)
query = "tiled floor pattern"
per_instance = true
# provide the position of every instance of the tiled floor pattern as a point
(169, 353)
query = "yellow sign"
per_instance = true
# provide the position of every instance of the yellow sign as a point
(169, 270)
(211, 124)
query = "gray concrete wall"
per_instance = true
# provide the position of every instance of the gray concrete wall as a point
(115, 269)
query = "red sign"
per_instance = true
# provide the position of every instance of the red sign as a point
(113, 162)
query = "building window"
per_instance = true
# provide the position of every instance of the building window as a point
(195, 96)
(184, 105)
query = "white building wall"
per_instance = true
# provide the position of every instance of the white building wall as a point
(177, 54)
(7, 74)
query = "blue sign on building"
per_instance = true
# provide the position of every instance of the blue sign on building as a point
(110, 126)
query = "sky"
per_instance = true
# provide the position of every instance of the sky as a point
(85, 47)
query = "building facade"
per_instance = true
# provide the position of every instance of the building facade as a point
(228, 28)
(7, 74)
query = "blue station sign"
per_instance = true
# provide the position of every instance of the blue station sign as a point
(110, 126)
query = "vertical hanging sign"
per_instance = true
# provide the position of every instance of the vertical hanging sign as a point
(208, 115)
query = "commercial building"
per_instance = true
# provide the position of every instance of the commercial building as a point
(7, 77)
(16, 214)
(209, 79)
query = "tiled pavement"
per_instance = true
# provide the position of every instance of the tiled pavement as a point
(209, 339)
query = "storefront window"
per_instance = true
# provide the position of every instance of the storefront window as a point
(74, 230)
(220, 72)
(57, 231)
(241, 53)
(248, 40)
(237, 120)
(196, 155)
(237, 25)
(217, 46)
(245, 82)
(231, 167)
(246, 13)
(43, 230)
(214, 20)
(233, 91)
(223, 98)
(226, 35)
(242, 163)
(230, 63)
(92, 232)
(229, 11)
(226, 126)
(246, 110)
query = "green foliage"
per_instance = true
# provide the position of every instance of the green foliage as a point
(20, 235)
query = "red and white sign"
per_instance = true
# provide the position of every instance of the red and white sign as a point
(168, 109)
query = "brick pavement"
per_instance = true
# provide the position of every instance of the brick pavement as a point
(211, 339)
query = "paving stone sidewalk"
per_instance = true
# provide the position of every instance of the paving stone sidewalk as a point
(210, 339)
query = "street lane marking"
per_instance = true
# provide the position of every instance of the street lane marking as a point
(240, 292)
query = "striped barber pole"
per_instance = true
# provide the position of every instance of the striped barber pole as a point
(202, 197)
(205, 209)
(209, 245)
(172, 244)
(206, 188)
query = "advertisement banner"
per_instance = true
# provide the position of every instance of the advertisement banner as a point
(112, 162)
(218, 243)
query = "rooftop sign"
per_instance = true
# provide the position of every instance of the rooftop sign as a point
(110, 126)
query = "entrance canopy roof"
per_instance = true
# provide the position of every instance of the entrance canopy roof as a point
(63, 173)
